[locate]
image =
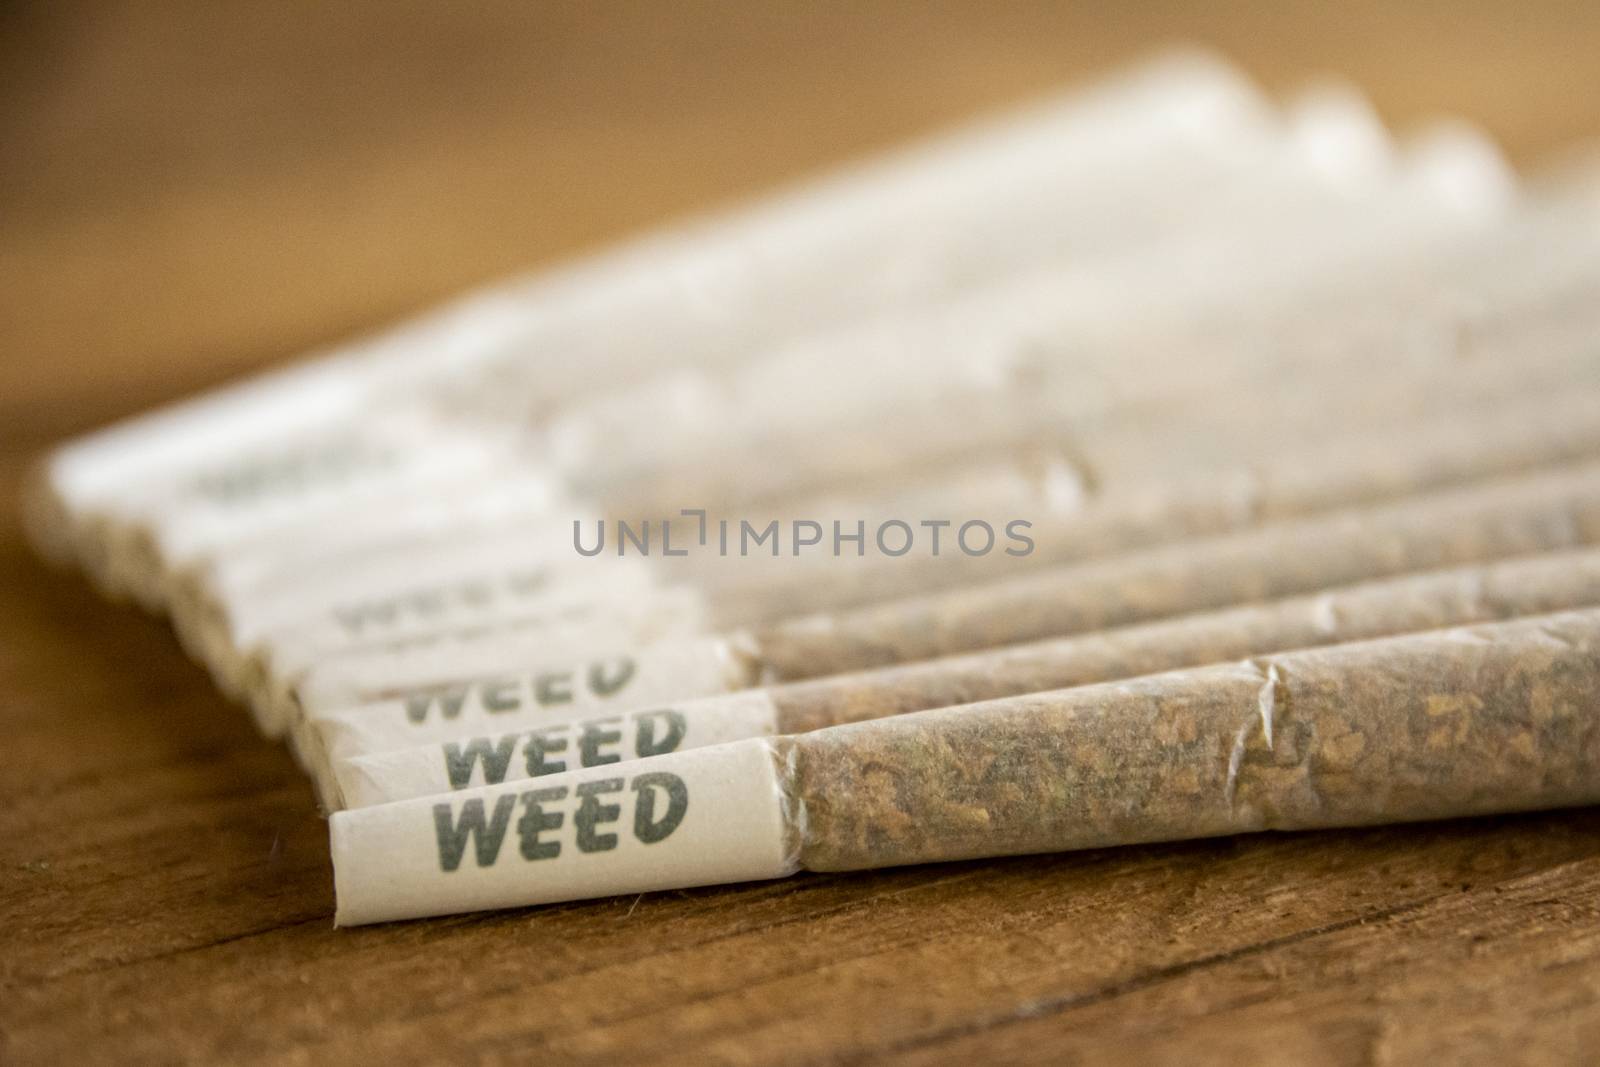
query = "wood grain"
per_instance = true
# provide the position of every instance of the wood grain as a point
(191, 191)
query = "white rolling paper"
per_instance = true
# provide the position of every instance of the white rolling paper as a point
(380, 777)
(705, 817)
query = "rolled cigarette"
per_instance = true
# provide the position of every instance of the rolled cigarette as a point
(1428, 601)
(1448, 723)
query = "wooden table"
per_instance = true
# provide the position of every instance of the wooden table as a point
(190, 193)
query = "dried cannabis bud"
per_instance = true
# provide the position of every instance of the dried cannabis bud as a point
(1494, 718)
(1513, 518)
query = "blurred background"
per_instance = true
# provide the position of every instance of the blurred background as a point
(189, 191)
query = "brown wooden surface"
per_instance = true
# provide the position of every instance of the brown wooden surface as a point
(191, 191)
